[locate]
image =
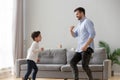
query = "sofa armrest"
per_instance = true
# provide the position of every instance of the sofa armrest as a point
(106, 69)
(17, 66)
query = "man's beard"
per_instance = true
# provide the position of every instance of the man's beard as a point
(79, 18)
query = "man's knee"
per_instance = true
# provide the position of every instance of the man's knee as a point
(85, 67)
(72, 63)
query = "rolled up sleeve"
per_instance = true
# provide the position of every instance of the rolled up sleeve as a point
(75, 34)
(76, 31)
(90, 29)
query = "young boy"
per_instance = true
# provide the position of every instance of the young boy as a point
(32, 56)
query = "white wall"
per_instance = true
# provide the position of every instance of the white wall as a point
(54, 17)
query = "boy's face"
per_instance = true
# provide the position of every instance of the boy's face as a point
(39, 38)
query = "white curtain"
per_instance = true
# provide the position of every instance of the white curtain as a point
(18, 30)
(6, 12)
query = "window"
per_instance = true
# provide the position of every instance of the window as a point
(6, 13)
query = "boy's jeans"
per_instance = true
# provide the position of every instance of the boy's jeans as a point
(31, 65)
(85, 57)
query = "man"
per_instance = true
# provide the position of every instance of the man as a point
(85, 34)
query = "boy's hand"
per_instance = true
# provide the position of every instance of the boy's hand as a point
(42, 49)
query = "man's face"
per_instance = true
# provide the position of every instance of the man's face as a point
(79, 15)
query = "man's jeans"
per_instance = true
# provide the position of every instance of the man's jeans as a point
(85, 57)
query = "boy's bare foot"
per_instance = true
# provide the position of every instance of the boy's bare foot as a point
(22, 78)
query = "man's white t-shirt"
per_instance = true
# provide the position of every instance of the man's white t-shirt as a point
(33, 51)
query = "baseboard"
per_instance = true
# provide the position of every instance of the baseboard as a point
(117, 74)
(4, 73)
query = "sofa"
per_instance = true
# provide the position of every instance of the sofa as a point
(55, 63)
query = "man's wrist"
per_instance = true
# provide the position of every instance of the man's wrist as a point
(85, 45)
(71, 31)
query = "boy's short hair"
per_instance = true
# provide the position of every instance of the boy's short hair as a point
(35, 34)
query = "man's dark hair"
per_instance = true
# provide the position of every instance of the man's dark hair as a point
(80, 9)
(35, 34)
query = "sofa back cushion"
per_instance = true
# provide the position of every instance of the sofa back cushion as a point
(98, 56)
(70, 54)
(53, 56)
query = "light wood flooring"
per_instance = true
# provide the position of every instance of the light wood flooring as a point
(13, 78)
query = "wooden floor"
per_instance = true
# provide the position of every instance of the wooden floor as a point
(13, 78)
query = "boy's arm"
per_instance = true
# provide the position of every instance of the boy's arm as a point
(38, 60)
(38, 50)
(34, 50)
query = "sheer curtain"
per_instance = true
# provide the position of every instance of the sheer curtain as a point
(6, 13)
(11, 32)
(18, 30)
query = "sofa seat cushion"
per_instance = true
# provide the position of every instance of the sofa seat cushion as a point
(94, 68)
(45, 67)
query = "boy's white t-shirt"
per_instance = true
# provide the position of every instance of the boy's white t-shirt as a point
(33, 51)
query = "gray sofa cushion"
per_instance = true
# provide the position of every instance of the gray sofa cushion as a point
(44, 67)
(67, 68)
(98, 56)
(55, 56)
(70, 54)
